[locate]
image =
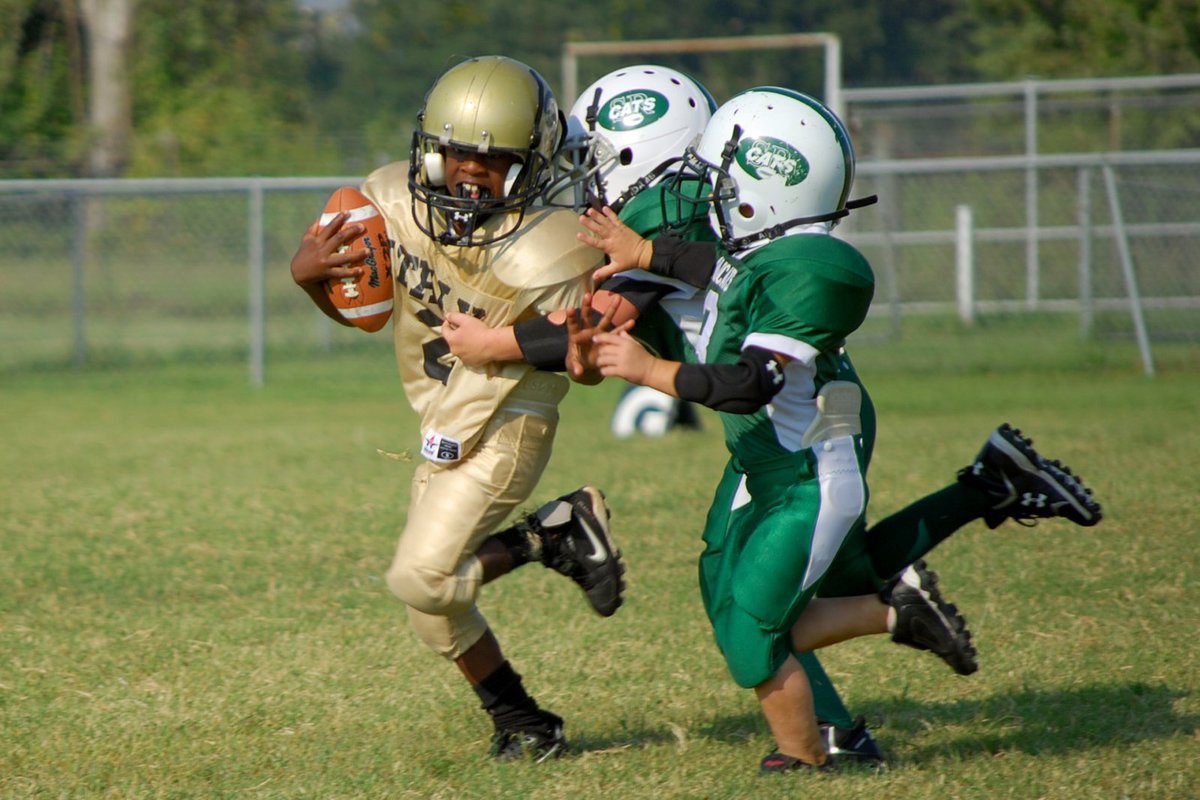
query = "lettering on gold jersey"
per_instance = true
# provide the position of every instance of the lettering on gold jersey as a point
(415, 274)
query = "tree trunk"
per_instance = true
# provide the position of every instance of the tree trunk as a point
(108, 26)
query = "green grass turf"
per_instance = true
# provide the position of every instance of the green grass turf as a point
(193, 603)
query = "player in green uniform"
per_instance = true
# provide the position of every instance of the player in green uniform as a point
(625, 136)
(467, 236)
(786, 566)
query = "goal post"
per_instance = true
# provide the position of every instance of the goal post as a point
(829, 42)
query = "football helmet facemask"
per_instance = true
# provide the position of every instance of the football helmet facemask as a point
(487, 105)
(624, 132)
(775, 159)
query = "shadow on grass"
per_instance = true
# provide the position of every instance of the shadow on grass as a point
(1034, 721)
(1038, 721)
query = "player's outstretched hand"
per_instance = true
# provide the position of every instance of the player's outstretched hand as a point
(320, 258)
(620, 355)
(581, 351)
(623, 246)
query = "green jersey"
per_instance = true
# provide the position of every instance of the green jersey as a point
(799, 296)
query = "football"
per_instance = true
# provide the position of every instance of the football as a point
(366, 301)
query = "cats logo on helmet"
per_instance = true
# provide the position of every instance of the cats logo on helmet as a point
(776, 159)
(624, 132)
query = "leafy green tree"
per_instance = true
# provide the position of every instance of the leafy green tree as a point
(1085, 38)
(220, 89)
(41, 96)
(264, 86)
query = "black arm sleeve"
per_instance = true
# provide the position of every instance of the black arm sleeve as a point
(740, 388)
(683, 259)
(642, 294)
(543, 344)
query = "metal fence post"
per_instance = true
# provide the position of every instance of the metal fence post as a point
(1032, 278)
(964, 261)
(258, 289)
(79, 231)
(1086, 308)
(1131, 285)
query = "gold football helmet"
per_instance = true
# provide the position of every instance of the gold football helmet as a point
(488, 105)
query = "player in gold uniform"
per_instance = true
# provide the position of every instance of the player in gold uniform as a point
(466, 238)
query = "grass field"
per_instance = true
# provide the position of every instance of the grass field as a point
(193, 604)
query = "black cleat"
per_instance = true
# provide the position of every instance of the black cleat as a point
(539, 742)
(927, 622)
(853, 744)
(1026, 486)
(777, 763)
(576, 541)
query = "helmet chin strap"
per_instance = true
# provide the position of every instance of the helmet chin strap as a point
(643, 183)
(599, 194)
(775, 231)
(727, 153)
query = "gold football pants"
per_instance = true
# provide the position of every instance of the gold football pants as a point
(451, 512)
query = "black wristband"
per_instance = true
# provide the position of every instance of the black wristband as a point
(543, 344)
(683, 259)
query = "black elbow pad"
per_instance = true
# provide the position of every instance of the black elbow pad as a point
(740, 388)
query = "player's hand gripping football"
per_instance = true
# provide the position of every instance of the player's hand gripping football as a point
(320, 258)
(625, 248)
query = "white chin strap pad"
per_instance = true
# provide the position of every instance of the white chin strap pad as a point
(435, 169)
(511, 177)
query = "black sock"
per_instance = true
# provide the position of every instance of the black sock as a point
(900, 539)
(503, 696)
(522, 543)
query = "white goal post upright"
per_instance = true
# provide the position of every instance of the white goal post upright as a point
(830, 42)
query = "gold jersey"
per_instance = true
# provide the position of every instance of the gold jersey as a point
(540, 268)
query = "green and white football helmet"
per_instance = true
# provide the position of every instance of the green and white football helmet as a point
(625, 131)
(777, 159)
(487, 104)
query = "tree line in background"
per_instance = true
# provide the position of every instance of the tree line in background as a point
(274, 87)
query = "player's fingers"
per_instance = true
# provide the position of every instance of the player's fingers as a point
(573, 329)
(350, 232)
(334, 225)
(337, 273)
(346, 259)
(605, 341)
(606, 319)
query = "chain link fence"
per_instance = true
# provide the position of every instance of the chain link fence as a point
(124, 271)
(1111, 241)
(982, 211)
